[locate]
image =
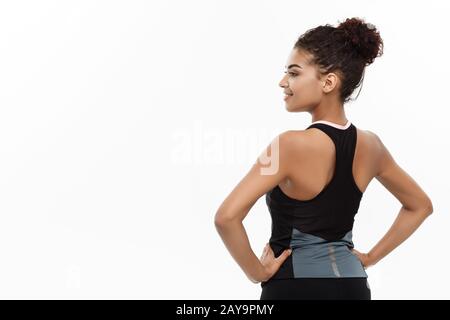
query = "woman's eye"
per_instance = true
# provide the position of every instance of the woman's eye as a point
(291, 73)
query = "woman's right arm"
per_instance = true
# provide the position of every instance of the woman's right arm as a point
(416, 205)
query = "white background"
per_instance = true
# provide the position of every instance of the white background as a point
(114, 122)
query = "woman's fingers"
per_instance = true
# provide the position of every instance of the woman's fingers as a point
(265, 251)
(360, 256)
(284, 256)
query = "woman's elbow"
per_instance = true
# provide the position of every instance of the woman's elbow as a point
(222, 219)
(427, 207)
(430, 207)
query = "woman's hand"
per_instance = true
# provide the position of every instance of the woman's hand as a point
(363, 257)
(270, 263)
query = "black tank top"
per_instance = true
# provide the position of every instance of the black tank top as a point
(326, 218)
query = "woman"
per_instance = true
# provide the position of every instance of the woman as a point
(317, 177)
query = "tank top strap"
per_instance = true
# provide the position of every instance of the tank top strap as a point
(345, 144)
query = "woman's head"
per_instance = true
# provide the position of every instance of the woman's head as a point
(331, 63)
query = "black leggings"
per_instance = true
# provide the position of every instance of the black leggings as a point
(316, 289)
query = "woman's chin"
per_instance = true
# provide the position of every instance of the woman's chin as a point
(291, 108)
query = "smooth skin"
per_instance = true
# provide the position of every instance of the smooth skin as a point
(305, 165)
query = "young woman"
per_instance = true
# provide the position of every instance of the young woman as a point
(318, 176)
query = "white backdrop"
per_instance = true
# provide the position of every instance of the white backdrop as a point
(125, 124)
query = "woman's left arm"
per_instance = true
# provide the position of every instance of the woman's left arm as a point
(270, 169)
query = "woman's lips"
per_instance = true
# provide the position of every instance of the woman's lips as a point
(287, 96)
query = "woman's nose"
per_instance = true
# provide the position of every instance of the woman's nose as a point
(282, 82)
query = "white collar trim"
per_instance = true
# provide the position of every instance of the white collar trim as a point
(338, 126)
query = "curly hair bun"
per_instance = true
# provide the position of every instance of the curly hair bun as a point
(363, 37)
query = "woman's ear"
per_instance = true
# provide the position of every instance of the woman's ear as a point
(329, 82)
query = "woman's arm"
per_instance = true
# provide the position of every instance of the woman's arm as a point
(269, 170)
(236, 241)
(416, 205)
(404, 225)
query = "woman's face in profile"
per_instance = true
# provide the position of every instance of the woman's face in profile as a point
(303, 88)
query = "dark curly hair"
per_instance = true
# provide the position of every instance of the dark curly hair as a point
(345, 50)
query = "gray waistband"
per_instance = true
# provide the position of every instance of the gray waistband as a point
(314, 257)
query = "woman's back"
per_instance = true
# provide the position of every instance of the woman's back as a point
(313, 166)
(319, 228)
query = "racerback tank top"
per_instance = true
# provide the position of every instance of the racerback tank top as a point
(319, 230)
